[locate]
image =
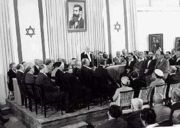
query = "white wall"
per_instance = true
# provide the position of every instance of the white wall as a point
(157, 16)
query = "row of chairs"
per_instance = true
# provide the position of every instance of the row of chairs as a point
(30, 94)
(126, 96)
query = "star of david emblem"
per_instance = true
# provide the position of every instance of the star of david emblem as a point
(117, 26)
(30, 31)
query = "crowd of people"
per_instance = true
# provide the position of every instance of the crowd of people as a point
(83, 81)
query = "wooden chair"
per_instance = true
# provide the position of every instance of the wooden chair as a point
(161, 89)
(143, 94)
(45, 100)
(30, 92)
(125, 98)
(172, 87)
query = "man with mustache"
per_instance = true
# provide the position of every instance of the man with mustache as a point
(77, 22)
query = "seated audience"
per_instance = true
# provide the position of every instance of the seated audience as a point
(115, 118)
(57, 67)
(29, 77)
(20, 79)
(148, 117)
(37, 63)
(133, 119)
(175, 108)
(105, 84)
(20, 73)
(162, 112)
(44, 81)
(118, 60)
(124, 87)
(173, 76)
(158, 75)
(11, 74)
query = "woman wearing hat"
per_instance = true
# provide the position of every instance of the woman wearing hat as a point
(124, 87)
(158, 74)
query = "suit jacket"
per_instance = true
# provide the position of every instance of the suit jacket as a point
(79, 25)
(87, 77)
(20, 77)
(163, 65)
(130, 65)
(172, 60)
(150, 67)
(114, 123)
(45, 81)
(103, 76)
(104, 82)
(63, 80)
(11, 74)
(36, 70)
(29, 78)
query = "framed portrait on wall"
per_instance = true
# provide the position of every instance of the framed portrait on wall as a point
(76, 15)
(177, 44)
(155, 42)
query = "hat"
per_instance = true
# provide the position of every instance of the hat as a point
(125, 80)
(158, 72)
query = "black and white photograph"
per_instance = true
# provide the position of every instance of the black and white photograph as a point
(76, 15)
(89, 63)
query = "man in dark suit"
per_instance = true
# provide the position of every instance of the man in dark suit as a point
(43, 80)
(162, 63)
(150, 64)
(77, 21)
(36, 66)
(131, 60)
(11, 74)
(104, 83)
(20, 73)
(172, 60)
(87, 78)
(115, 118)
(87, 54)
